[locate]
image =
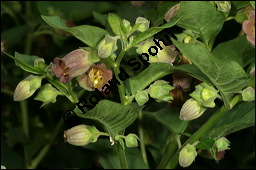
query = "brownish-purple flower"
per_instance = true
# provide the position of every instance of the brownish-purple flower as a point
(172, 12)
(138, 3)
(72, 65)
(95, 78)
(249, 28)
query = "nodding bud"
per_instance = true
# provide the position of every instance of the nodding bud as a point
(81, 135)
(72, 65)
(141, 24)
(205, 95)
(131, 140)
(47, 94)
(107, 46)
(141, 97)
(127, 26)
(172, 12)
(222, 144)
(248, 94)
(191, 109)
(223, 6)
(160, 90)
(187, 155)
(27, 87)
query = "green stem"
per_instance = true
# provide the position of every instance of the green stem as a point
(121, 156)
(172, 163)
(117, 71)
(24, 113)
(45, 149)
(141, 136)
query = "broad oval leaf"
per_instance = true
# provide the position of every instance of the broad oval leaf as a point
(227, 75)
(238, 49)
(156, 71)
(152, 31)
(169, 117)
(202, 18)
(88, 34)
(113, 116)
(238, 118)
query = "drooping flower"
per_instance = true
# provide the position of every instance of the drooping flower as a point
(72, 65)
(131, 140)
(95, 78)
(191, 109)
(172, 12)
(81, 135)
(158, 51)
(27, 87)
(222, 144)
(249, 28)
(187, 155)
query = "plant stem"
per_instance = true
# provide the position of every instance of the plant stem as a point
(198, 134)
(24, 113)
(45, 149)
(121, 156)
(141, 136)
(117, 71)
(7, 92)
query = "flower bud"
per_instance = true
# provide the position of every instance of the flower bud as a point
(127, 26)
(47, 94)
(72, 65)
(96, 77)
(107, 46)
(160, 90)
(39, 63)
(81, 135)
(172, 12)
(222, 144)
(141, 97)
(27, 87)
(248, 94)
(141, 24)
(249, 28)
(131, 140)
(191, 109)
(205, 95)
(187, 155)
(223, 6)
(160, 52)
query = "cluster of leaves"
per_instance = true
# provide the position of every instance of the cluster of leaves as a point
(223, 63)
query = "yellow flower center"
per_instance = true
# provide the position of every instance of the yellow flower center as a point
(96, 77)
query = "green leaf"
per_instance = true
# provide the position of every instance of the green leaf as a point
(152, 31)
(239, 4)
(88, 34)
(26, 62)
(169, 117)
(206, 143)
(116, 24)
(156, 71)
(202, 18)
(113, 116)
(134, 160)
(238, 49)
(238, 118)
(227, 75)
